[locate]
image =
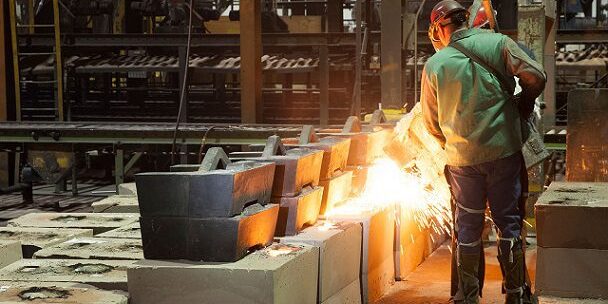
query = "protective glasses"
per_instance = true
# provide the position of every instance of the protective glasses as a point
(434, 28)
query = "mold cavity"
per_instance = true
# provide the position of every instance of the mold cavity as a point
(48, 236)
(91, 268)
(35, 293)
(129, 248)
(69, 218)
(31, 269)
(78, 245)
(7, 233)
(575, 190)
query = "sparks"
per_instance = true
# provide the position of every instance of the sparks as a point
(417, 191)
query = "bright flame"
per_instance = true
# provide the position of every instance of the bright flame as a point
(405, 190)
(418, 191)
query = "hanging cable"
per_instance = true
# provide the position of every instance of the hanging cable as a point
(184, 86)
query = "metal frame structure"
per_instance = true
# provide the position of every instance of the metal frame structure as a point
(134, 139)
(56, 45)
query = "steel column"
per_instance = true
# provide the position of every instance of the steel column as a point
(251, 65)
(3, 93)
(359, 60)
(4, 157)
(390, 39)
(74, 175)
(15, 49)
(58, 60)
(119, 169)
(324, 85)
(119, 16)
(549, 63)
(335, 16)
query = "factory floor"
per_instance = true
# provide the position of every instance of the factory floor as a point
(430, 283)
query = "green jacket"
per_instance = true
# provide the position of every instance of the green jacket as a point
(463, 104)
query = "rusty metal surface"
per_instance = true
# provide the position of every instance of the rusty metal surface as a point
(587, 138)
(52, 166)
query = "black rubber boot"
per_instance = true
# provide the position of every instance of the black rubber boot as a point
(511, 258)
(468, 282)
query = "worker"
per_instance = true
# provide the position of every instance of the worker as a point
(468, 106)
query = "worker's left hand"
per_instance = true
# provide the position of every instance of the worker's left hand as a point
(524, 105)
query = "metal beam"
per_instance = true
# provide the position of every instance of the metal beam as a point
(251, 66)
(390, 77)
(132, 161)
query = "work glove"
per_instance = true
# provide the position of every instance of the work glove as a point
(524, 105)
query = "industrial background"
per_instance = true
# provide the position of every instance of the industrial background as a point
(98, 94)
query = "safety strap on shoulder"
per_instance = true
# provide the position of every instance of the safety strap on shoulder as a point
(504, 83)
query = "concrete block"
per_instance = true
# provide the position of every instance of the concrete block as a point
(99, 222)
(335, 154)
(350, 294)
(127, 189)
(216, 193)
(297, 212)
(573, 215)
(34, 239)
(556, 300)
(336, 190)
(339, 264)
(294, 170)
(378, 267)
(214, 239)
(572, 273)
(130, 231)
(277, 274)
(94, 248)
(103, 274)
(117, 204)
(10, 251)
(59, 293)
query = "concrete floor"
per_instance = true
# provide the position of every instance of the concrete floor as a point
(430, 283)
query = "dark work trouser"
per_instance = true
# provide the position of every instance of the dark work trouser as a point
(498, 183)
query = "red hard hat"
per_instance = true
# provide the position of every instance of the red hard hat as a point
(445, 8)
(481, 18)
